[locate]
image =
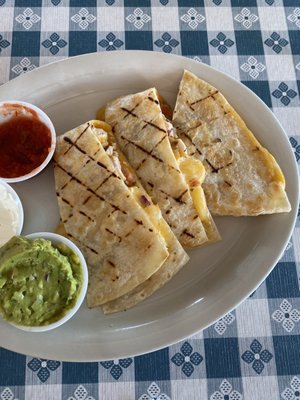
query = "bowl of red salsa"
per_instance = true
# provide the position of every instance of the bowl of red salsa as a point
(27, 140)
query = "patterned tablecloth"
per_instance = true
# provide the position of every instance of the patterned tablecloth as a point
(252, 353)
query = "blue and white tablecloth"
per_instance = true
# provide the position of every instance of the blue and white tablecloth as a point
(252, 353)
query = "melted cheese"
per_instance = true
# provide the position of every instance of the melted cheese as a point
(194, 171)
(153, 212)
(100, 114)
(200, 203)
(102, 125)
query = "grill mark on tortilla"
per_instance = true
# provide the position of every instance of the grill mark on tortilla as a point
(150, 184)
(148, 153)
(144, 126)
(228, 183)
(64, 200)
(70, 141)
(73, 178)
(96, 152)
(111, 263)
(256, 148)
(65, 185)
(168, 211)
(196, 216)
(186, 232)
(86, 200)
(214, 169)
(87, 216)
(138, 222)
(130, 112)
(80, 212)
(91, 158)
(196, 149)
(194, 127)
(204, 98)
(190, 106)
(116, 208)
(91, 190)
(108, 170)
(140, 164)
(83, 244)
(213, 119)
(227, 165)
(157, 144)
(177, 199)
(151, 99)
(129, 233)
(102, 183)
(114, 234)
(156, 126)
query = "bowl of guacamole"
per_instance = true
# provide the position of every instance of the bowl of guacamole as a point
(43, 281)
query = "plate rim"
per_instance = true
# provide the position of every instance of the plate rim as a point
(229, 305)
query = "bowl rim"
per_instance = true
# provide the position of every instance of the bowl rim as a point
(18, 202)
(45, 118)
(56, 238)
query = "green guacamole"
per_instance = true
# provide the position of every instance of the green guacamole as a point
(39, 283)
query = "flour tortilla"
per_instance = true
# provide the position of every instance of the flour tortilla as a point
(139, 127)
(98, 211)
(242, 177)
(176, 260)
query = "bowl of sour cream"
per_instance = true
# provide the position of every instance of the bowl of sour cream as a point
(11, 213)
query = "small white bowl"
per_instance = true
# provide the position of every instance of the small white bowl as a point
(5, 116)
(57, 239)
(18, 203)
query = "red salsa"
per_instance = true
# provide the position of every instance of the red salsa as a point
(25, 142)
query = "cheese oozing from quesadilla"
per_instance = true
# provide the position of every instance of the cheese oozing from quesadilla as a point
(100, 213)
(194, 173)
(140, 129)
(242, 177)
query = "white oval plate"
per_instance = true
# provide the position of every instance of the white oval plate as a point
(217, 278)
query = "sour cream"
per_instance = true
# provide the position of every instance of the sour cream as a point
(11, 213)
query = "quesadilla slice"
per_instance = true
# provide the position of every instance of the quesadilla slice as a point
(176, 260)
(193, 171)
(177, 257)
(242, 177)
(141, 132)
(99, 211)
